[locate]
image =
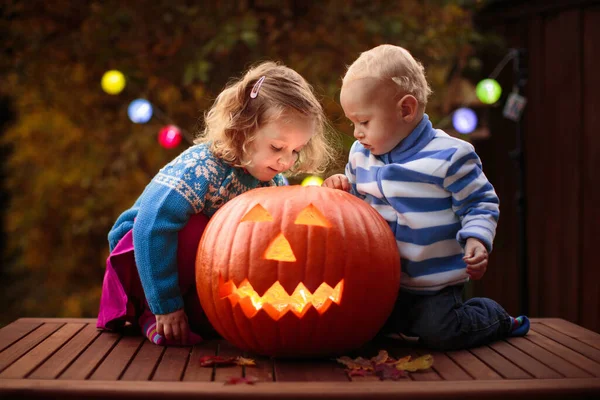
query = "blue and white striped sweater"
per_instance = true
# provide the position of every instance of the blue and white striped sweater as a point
(434, 195)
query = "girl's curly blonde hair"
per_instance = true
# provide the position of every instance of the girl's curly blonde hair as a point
(234, 118)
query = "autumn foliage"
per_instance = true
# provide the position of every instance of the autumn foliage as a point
(75, 161)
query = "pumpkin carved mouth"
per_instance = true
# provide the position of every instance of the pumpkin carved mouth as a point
(277, 302)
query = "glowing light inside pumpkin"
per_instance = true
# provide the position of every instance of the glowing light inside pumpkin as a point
(280, 250)
(312, 216)
(257, 214)
(276, 302)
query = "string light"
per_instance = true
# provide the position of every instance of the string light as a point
(113, 82)
(464, 120)
(139, 111)
(169, 137)
(488, 91)
(312, 180)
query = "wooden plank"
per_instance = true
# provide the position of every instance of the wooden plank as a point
(262, 371)
(592, 342)
(112, 367)
(144, 363)
(47, 320)
(590, 174)
(24, 365)
(14, 352)
(568, 341)
(60, 360)
(196, 373)
(558, 364)
(473, 365)
(226, 349)
(499, 364)
(317, 370)
(172, 364)
(569, 328)
(15, 331)
(501, 390)
(446, 367)
(564, 352)
(528, 363)
(87, 362)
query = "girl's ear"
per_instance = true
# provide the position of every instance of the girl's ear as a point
(407, 108)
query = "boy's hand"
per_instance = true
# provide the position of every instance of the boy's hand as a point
(337, 181)
(476, 257)
(173, 326)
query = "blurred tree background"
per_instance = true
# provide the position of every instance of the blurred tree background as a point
(71, 160)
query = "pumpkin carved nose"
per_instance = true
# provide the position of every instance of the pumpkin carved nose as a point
(280, 250)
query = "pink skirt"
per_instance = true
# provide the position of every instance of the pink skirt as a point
(123, 298)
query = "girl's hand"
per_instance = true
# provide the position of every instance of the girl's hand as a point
(337, 181)
(476, 257)
(173, 326)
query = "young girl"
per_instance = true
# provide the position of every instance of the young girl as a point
(261, 125)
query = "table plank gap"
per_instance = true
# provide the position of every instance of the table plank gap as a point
(115, 363)
(549, 359)
(36, 356)
(564, 352)
(525, 361)
(223, 373)
(568, 341)
(499, 363)
(194, 371)
(172, 364)
(473, 365)
(23, 346)
(87, 362)
(66, 355)
(15, 331)
(569, 328)
(446, 367)
(144, 363)
(262, 371)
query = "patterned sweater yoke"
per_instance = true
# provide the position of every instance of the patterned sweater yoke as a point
(195, 181)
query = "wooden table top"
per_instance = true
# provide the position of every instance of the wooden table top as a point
(70, 358)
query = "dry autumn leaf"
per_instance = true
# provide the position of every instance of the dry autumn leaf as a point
(245, 362)
(421, 363)
(384, 366)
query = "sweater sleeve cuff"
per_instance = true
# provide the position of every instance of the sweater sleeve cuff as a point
(462, 237)
(166, 306)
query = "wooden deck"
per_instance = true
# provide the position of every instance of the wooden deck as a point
(69, 358)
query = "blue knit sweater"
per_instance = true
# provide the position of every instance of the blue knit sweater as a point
(196, 181)
(434, 195)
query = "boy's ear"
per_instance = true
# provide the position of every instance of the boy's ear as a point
(408, 107)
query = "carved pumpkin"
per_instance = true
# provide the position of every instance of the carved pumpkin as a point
(297, 271)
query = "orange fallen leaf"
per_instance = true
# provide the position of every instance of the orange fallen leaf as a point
(357, 363)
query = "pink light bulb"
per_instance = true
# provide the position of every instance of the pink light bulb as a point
(169, 137)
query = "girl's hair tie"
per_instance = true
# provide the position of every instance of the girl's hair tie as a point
(256, 87)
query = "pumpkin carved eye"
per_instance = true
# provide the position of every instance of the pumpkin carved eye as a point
(312, 216)
(257, 214)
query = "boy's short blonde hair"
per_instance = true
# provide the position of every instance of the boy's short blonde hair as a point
(392, 62)
(232, 121)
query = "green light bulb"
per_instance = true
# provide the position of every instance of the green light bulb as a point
(488, 91)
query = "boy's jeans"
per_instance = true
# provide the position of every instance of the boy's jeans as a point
(442, 321)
